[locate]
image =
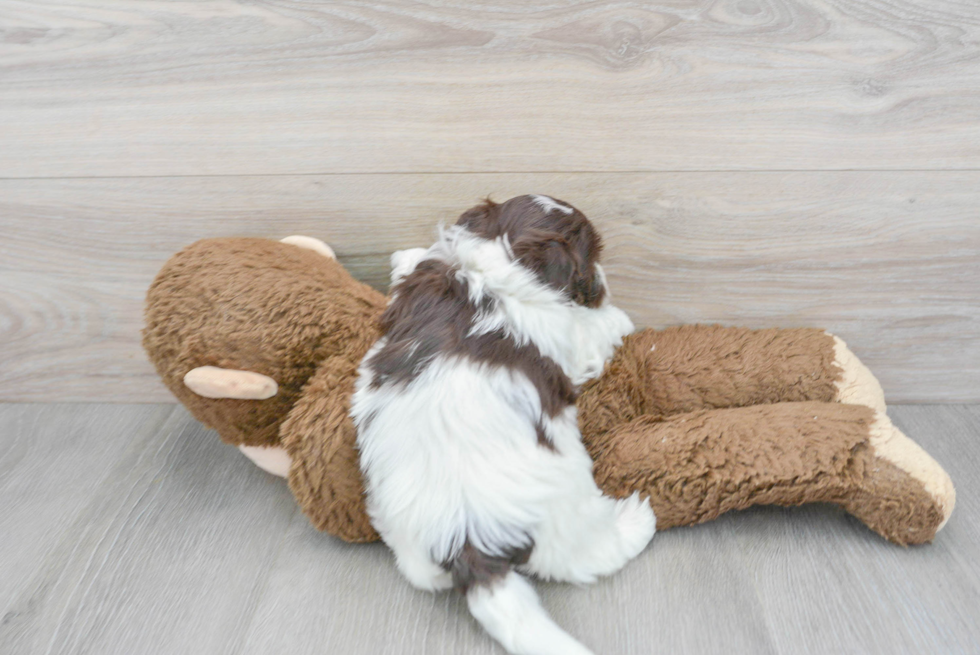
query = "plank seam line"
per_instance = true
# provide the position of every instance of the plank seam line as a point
(514, 172)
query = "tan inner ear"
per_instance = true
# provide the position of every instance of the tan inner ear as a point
(215, 382)
(309, 243)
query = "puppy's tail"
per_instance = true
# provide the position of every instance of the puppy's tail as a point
(507, 607)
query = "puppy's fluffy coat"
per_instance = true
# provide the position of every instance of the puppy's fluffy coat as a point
(467, 428)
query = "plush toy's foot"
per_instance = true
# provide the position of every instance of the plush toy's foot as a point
(310, 244)
(272, 460)
(856, 385)
(699, 465)
(215, 382)
(891, 446)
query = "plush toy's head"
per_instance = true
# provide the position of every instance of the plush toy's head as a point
(260, 306)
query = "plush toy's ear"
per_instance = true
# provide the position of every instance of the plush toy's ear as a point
(310, 243)
(217, 382)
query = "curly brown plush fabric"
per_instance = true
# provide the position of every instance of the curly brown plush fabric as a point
(698, 465)
(702, 419)
(662, 372)
(321, 440)
(255, 305)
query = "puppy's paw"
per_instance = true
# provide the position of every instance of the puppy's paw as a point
(422, 573)
(636, 524)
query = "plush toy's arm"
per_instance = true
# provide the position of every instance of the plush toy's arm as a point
(320, 439)
(699, 465)
(682, 369)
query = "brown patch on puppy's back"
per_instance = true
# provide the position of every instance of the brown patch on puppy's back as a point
(431, 314)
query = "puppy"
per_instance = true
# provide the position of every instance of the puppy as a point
(465, 410)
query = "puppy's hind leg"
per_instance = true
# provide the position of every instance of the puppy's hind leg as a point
(416, 564)
(593, 537)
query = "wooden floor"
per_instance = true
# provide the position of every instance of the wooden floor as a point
(748, 162)
(131, 529)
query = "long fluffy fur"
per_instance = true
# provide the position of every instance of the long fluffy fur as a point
(459, 482)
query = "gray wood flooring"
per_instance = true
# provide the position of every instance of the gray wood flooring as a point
(130, 529)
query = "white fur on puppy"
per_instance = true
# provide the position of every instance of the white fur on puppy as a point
(467, 429)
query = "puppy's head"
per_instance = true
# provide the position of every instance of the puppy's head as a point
(551, 238)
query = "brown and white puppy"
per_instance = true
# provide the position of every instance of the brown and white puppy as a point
(467, 427)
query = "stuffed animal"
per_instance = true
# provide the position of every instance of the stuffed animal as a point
(261, 340)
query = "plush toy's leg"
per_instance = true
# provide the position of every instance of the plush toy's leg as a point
(310, 244)
(682, 369)
(698, 465)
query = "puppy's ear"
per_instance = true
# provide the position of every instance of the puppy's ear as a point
(548, 255)
(562, 264)
(482, 219)
(588, 289)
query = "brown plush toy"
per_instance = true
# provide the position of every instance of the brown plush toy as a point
(261, 341)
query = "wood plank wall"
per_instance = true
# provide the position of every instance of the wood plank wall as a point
(750, 162)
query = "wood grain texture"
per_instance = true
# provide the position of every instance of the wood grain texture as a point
(166, 544)
(887, 260)
(843, 599)
(163, 540)
(178, 88)
(51, 460)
